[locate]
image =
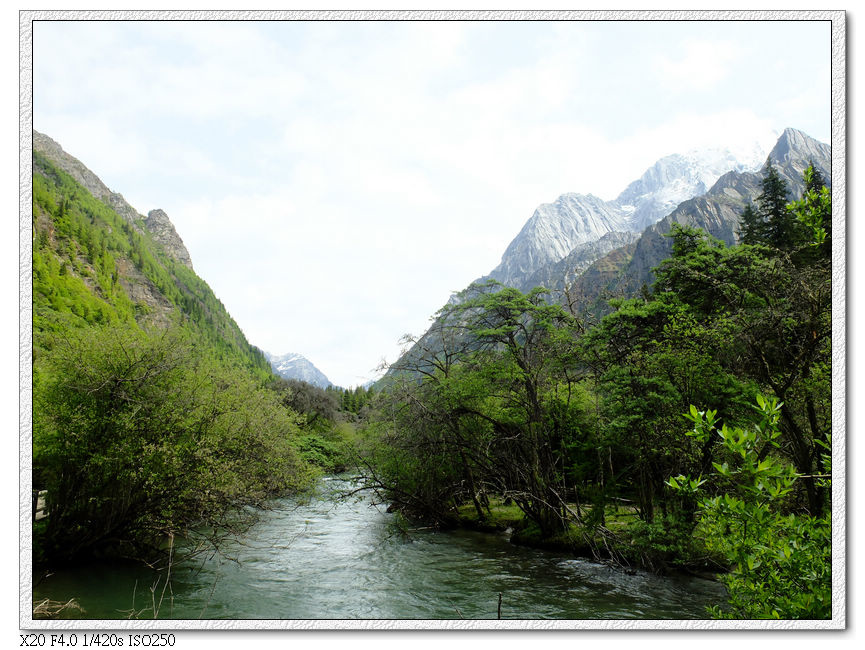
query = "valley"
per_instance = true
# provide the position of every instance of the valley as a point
(637, 393)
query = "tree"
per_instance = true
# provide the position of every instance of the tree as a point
(751, 227)
(782, 565)
(486, 397)
(435, 407)
(777, 317)
(779, 226)
(524, 349)
(814, 213)
(318, 405)
(651, 359)
(139, 438)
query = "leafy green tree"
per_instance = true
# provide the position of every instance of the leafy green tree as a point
(776, 316)
(490, 397)
(434, 408)
(523, 347)
(814, 213)
(781, 561)
(320, 407)
(651, 359)
(429, 456)
(139, 437)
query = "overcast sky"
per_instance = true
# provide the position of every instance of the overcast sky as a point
(334, 182)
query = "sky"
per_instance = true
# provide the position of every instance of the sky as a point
(335, 182)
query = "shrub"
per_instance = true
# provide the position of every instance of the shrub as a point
(140, 436)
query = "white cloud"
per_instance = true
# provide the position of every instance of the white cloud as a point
(703, 65)
(334, 182)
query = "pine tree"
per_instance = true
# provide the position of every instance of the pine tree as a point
(813, 179)
(780, 225)
(751, 227)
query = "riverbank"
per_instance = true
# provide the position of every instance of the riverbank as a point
(326, 556)
(623, 541)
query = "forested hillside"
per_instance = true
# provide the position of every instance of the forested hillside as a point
(689, 427)
(154, 419)
(92, 266)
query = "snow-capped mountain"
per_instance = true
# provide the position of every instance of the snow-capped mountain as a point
(717, 211)
(612, 254)
(555, 229)
(296, 366)
(677, 178)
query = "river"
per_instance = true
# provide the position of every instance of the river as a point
(346, 559)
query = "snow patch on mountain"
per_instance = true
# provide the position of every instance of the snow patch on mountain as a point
(296, 366)
(555, 229)
(677, 178)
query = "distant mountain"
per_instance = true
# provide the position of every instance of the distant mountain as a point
(587, 250)
(296, 366)
(718, 212)
(556, 229)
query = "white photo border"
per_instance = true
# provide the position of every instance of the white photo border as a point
(839, 293)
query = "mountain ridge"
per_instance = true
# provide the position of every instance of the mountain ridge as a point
(293, 365)
(157, 222)
(623, 270)
(718, 212)
(555, 229)
(96, 262)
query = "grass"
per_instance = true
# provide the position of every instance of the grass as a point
(500, 517)
(623, 537)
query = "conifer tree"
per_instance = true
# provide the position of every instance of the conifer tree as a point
(780, 226)
(814, 180)
(751, 227)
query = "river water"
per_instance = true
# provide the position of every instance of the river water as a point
(334, 558)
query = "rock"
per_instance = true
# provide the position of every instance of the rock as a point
(160, 226)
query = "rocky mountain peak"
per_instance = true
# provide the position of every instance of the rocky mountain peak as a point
(84, 177)
(156, 222)
(295, 366)
(718, 211)
(797, 149)
(676, 178)
(163, 231)
(555, 229)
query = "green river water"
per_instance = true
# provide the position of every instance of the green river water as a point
(345, 559)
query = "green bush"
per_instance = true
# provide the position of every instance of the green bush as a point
(327, 454)
(782, 564)
(138, 437)
(668, 542)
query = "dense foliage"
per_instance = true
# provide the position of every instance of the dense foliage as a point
(92, 267)
(139, 438)
(781, 560)
(326, 425)
(152, 417)
(508, 399)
